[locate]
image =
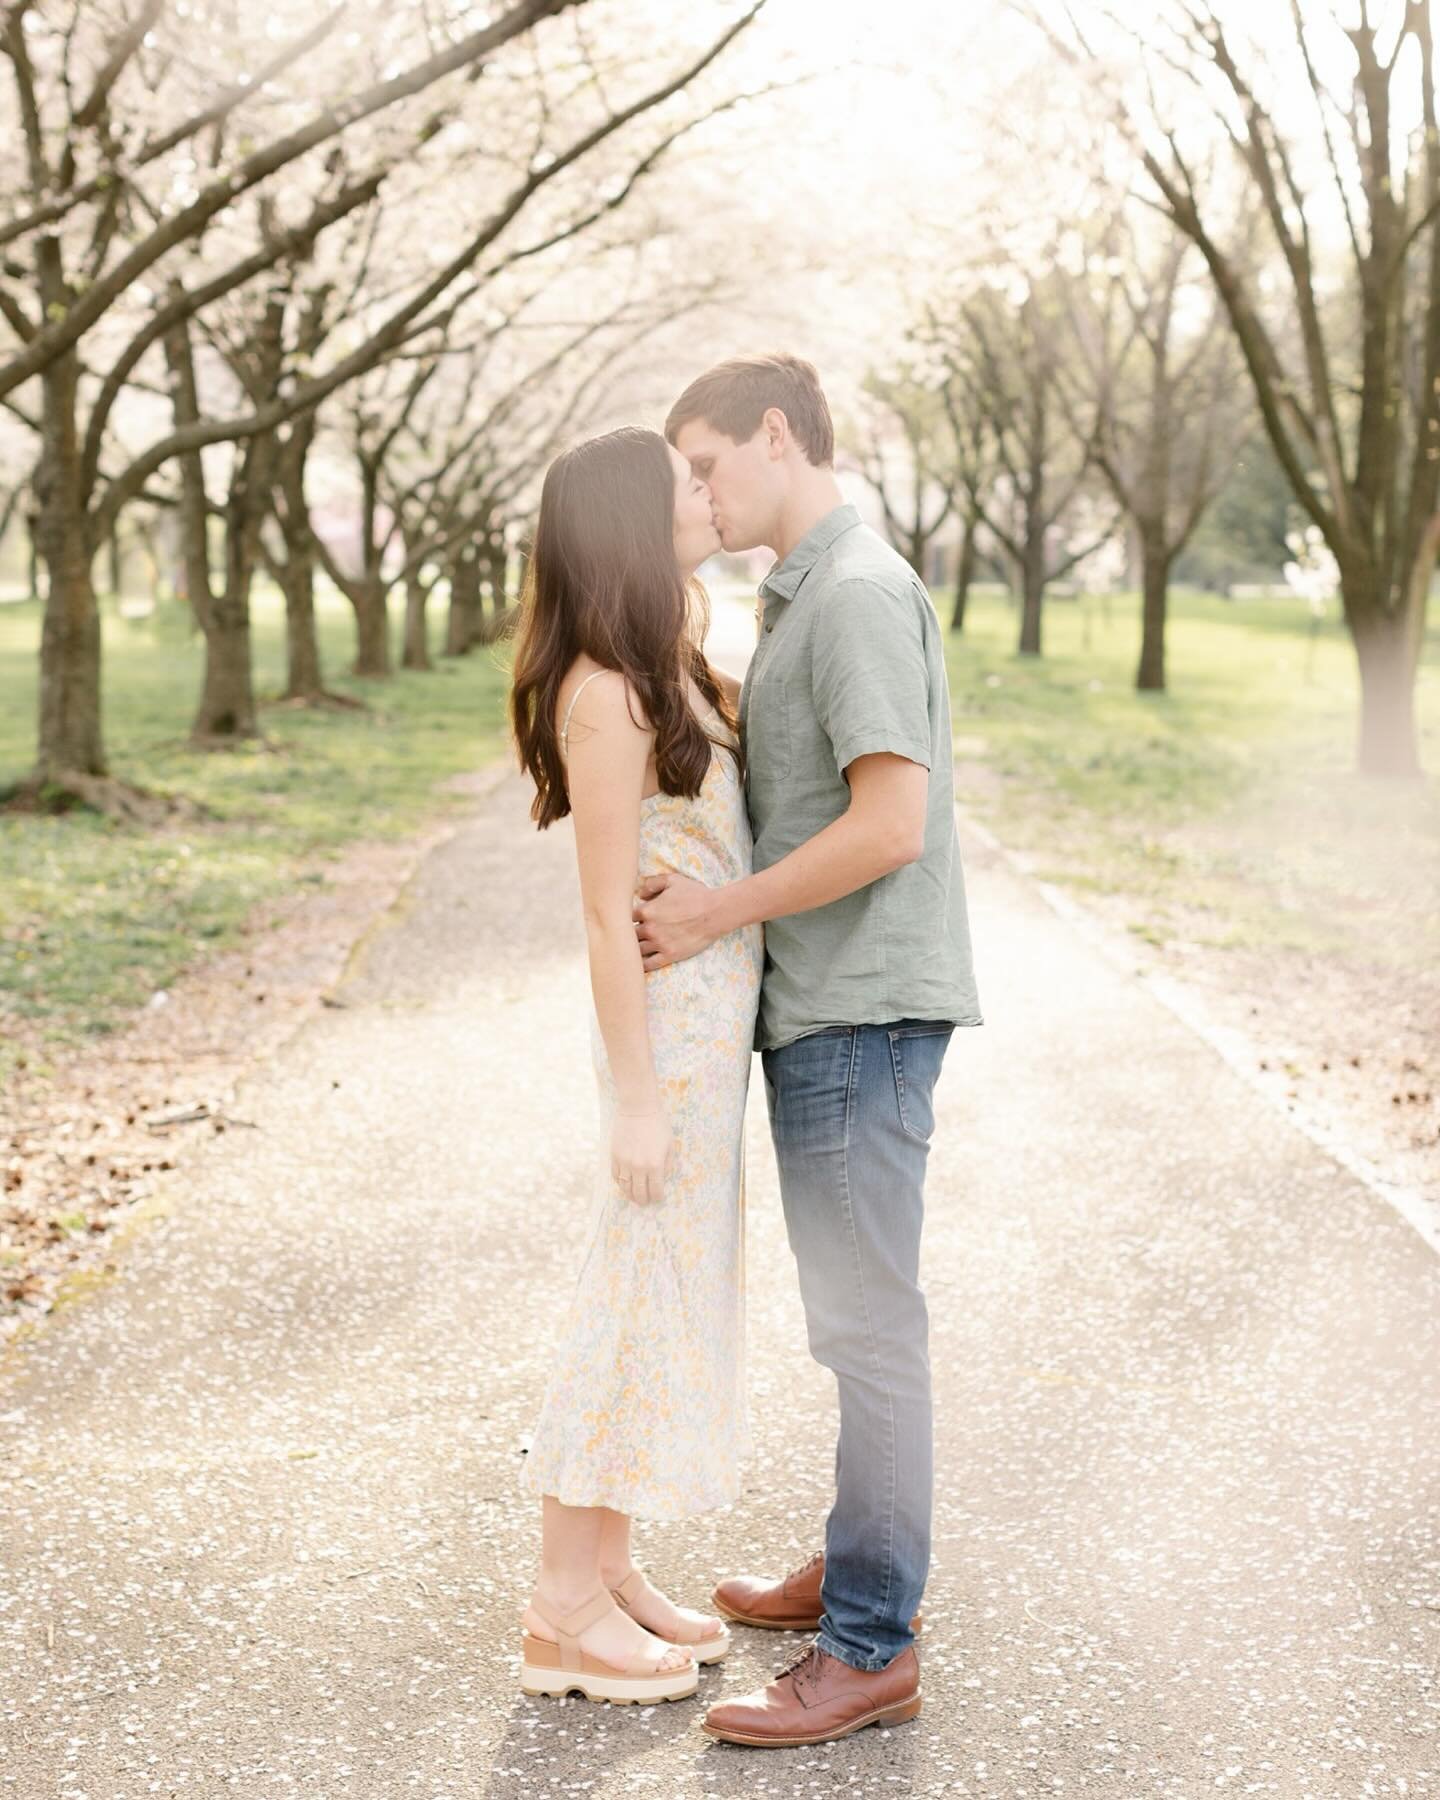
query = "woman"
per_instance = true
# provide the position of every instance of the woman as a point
(621, 721)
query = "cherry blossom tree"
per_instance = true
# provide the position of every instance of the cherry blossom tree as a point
(1156, 386)
(1002, 347)
(130, 218)
(1328, 115)
(906, 452)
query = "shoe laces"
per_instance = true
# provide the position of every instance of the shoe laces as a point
(806, 1566)
(807, 1665)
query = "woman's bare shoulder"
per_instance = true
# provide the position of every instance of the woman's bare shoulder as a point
(612, 697)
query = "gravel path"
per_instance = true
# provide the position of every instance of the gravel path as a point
(260, 1537)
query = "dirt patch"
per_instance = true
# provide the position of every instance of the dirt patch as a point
(1309, 930)
(1302, 921)
(1354, 1044)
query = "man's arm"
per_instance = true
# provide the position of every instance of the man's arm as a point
(881, 830)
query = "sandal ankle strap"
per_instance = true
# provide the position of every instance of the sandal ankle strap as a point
(629, 1589)
(568, 1626)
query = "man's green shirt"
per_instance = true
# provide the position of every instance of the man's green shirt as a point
(849, 660)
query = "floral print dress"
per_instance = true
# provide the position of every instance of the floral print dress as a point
(645, 1410)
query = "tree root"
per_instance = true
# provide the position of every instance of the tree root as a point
(71, 790)
(325, 699)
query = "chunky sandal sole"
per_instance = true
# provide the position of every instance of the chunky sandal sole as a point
(620, 1690)
(541, 1673)
(889, 1715)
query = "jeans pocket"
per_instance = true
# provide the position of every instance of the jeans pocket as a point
(916, 1054)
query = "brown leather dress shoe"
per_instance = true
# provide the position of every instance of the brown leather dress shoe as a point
(790, 1604)
(816, 1698)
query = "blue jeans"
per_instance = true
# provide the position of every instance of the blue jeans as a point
(851, 1115)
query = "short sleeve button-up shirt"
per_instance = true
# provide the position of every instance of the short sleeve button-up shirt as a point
(849, 660)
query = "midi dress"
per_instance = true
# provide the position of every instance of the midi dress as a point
(645, 1407)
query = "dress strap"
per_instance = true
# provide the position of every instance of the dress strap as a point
(565, 728)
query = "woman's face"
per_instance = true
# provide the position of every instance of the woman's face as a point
(695, 533)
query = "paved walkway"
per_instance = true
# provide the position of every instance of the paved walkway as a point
(259, 1535)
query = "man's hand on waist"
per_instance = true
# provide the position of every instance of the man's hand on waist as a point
(675, 918)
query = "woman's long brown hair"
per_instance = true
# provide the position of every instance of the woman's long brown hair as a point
(603, 578)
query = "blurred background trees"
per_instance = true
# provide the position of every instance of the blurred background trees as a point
(198, 258)
(315, 293)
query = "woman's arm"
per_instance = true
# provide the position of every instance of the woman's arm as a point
(608, 753)
(730, 685)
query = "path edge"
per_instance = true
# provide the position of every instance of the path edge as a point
(1232, 1046)
(161, 1202)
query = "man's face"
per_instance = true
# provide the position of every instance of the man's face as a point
(745, 481)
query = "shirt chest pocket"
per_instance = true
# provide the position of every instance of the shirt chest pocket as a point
(767, 731)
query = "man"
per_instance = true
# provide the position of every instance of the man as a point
(845, 717)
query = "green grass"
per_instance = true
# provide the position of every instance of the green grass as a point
(1228, 808)
(95, 916)
(1226, 811)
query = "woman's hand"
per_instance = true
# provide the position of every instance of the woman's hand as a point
(639, 1152)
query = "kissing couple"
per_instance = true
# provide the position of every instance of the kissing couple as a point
(771, 866)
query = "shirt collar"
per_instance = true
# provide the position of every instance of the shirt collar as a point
(783, 581)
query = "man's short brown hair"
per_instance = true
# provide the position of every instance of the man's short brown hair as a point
(734, 397)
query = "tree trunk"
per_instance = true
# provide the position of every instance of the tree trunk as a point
(1155, 584)
(1134, 555)
(32, 551)
(498, 564)
(415, 653)
(192, 552)
(304, 677)
(69, 735)
(227, 703)
(964, 575)
(1387, 744)
(372, 628)
(464, 600)
(227, 694)
(1034, 487)
(150, 572)
(173, 539)
(1032, 595)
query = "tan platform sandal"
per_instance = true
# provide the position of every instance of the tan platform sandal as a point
(563, 1667)
(706, 1650)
